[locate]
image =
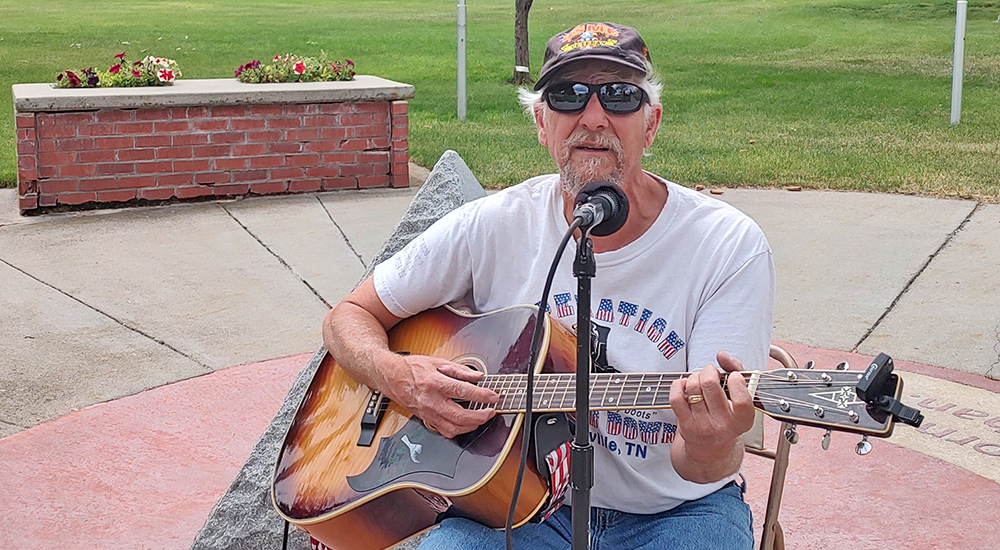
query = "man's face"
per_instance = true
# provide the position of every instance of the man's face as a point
(592, 144)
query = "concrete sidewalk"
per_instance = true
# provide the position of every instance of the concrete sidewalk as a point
(103, 305)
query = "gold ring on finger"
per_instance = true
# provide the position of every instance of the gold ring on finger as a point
(696, 398)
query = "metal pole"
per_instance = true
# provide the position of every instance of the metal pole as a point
(461, 59)
(581, 461)
(958, 66)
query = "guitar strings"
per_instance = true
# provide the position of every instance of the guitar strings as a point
(552, 382)
(517, 401)
(552, 385)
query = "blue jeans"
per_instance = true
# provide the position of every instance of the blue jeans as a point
(720, 520)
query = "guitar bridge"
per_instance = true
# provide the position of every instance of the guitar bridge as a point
(374, 410)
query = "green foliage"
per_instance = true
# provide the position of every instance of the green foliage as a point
(290, 68)
(843, 94)
(83, 78)
(151, 71)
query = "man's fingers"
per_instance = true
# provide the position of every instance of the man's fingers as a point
(728, 362)
(679, 402)
(460, 384)
(461, 372)
(711, 387)
(743, 409)
(452, 419)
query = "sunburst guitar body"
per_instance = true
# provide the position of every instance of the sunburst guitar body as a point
(361, 491)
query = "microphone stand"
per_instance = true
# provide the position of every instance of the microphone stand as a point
(582, 451)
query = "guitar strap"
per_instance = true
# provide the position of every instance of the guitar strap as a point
(553, 435)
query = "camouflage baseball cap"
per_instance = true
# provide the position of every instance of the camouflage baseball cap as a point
(607, 41)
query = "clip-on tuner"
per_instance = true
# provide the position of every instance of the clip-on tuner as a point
(874, 386)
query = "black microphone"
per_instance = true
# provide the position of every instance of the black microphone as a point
(603, 206)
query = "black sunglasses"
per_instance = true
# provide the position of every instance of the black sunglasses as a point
(615, 97)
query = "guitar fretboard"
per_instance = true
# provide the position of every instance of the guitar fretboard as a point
(557, 392)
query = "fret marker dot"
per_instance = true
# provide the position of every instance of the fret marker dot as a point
(611, 400)
(649, 388)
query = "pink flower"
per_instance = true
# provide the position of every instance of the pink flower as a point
(115, 68)
(120, 56)
(165, 75)
(300, 68)
(349, 62)
(136, 73)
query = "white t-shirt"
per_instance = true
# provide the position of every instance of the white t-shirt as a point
(699, 280)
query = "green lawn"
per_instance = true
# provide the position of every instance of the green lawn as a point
(845, 94)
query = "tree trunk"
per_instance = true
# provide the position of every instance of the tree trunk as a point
(522, 61)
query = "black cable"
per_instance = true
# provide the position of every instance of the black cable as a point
(536, 338)
(284, 541)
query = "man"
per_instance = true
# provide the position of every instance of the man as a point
(686, 280)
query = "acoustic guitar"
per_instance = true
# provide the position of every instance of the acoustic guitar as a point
(358, 472)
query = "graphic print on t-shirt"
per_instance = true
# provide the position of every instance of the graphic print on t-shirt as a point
(628, 316)
(628, 433)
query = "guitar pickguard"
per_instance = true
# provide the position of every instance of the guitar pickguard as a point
(413, 449)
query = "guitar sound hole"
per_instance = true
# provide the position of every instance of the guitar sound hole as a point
(474, 362)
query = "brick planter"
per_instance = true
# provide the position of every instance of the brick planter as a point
(207, 138)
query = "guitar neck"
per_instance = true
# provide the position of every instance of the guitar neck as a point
(826, 399)
(608, 391)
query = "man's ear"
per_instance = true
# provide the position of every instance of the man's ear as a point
(539, 112)
(653, 116)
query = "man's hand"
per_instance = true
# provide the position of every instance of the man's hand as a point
(708, 447)
(428, 387)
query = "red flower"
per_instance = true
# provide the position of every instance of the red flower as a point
(165, 75)
(120, 56)
(300, 68)
(115, 68)
(277, 58)
(136, 73)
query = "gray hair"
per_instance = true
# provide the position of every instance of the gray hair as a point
(531, 100)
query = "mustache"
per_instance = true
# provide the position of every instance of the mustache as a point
(581, 136)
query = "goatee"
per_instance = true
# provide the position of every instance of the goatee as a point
(574, 175)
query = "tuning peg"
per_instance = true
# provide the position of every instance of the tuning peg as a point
(843, 365)
(810, 364)
(791, 435)
(863, 447)
(826, 440)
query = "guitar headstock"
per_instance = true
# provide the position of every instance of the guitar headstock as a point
(824, 399)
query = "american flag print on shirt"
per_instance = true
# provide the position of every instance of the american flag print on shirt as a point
(614, 423)
(669, 431)
(629, 428)
(669, 346)
(564, 306)
(627, 310)
(649, 432)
